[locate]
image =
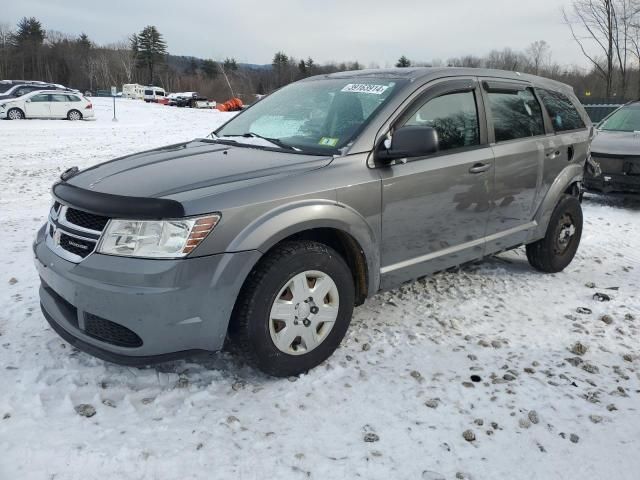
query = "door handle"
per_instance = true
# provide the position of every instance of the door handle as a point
(480, 167)
(553, 154)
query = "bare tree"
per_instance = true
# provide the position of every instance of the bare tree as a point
(595, 22)
(539, 54)
(6, 36)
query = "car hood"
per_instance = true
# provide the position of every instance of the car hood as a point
(194, 166)
(616, 143)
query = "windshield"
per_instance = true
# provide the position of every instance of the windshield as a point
(316, 116)
(626, 119)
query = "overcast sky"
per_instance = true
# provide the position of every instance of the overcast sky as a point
(328, 30)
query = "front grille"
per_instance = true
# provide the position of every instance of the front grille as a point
(110, 332)
(77, 246)
(610, 165)
(86, 219)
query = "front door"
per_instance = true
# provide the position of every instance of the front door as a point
(435, 208)
(37, 106)
(520, 144)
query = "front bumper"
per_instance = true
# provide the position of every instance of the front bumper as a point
(609, 183)
(174, 307)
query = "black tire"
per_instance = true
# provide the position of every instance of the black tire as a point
(74, 115)
(15, 114)
(249, 329)
(549, 254)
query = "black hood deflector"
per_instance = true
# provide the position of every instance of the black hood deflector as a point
(117, 206)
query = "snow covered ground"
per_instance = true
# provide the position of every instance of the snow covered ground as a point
(401, 379)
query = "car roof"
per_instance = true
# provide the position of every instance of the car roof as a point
(424, 74)
(57, 92)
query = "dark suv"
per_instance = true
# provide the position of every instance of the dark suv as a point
(15, 89)
(323, 193)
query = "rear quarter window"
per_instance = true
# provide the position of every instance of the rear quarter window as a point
(564, 115)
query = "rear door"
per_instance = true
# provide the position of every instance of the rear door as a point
(60, 105)
(520, 145)
(435, 208)
(571, 134)
(37, 106)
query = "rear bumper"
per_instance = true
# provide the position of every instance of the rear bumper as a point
(170, 308)
(607, 183)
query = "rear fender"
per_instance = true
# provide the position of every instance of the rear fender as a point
(571, 174)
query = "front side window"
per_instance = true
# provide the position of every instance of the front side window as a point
(564, 115)
(454, 116)
(314, 116)
(516, 114)
(40, 98)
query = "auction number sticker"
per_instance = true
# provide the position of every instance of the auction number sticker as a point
(328, 141)
(365, 88)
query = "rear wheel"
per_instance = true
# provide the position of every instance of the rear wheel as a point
(294, 308)
(15, 114)
(74, 115)
(558, 247)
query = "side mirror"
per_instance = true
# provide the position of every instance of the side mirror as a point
(409, 141)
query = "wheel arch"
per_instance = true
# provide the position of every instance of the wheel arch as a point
(568, 181)
(324, 221)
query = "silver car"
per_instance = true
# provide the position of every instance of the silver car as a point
(268, 233)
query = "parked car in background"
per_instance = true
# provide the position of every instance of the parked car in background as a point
(327, 191)
(19, 89)
(47, 104)
(615, 151)
(153, 94)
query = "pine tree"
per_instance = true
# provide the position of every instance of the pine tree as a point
(150, 50)
(403, 62)
(209, 68)
(230, 64)
(27, 42)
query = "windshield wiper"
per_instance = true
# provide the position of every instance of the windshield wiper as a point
(275, 141)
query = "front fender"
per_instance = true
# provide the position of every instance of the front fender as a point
(571, 174)
(286, 220)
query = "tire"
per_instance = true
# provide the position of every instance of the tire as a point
(15, 114)
(262, 337)
(555, 251)
(74, 115)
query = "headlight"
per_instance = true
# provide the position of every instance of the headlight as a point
(156, 239)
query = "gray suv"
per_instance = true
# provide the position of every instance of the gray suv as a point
(267, 233)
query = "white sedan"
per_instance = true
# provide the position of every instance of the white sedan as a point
(47, 104)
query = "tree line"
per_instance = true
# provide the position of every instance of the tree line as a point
(28, 51)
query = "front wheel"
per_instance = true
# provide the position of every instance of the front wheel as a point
(555, 251)
(15, 114)
(294, 308)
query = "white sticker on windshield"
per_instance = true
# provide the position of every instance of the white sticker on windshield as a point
(365, 88)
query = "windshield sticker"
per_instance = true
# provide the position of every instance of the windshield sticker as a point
(328, 141)
(365, 88)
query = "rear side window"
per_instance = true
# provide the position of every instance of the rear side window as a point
(148, 92)
(516, 114)
(59, 98)
(563, 113)
(453, 116)
(73, 98)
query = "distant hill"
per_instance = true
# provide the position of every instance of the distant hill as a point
(184, 63)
